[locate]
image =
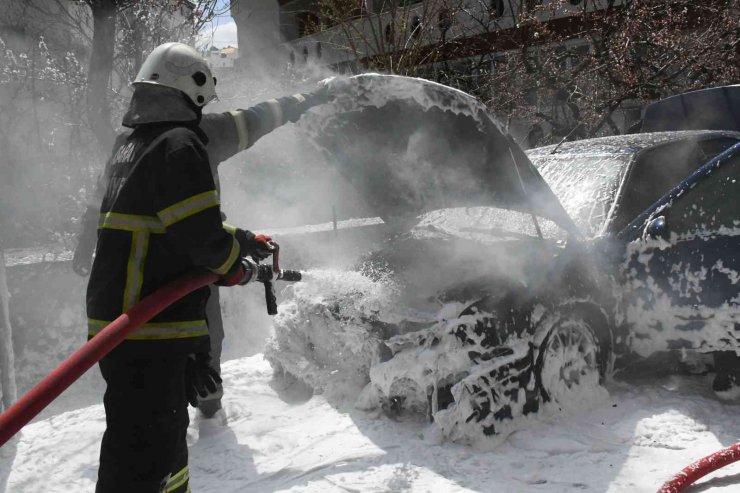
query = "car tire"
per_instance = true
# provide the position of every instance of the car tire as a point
(569, 363)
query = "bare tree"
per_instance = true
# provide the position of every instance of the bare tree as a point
(62, 68)
(100, 69)
(124, 31)
(582, 76)
(400, 37)
(577, 68)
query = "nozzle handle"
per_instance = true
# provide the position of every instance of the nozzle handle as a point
(270, 298)
(289, 275)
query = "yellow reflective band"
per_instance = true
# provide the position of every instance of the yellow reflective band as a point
(135, 269)
(229, 228)
(130, 222)
(177, 480)
(188, 207)
(156, 331)
(241, 129)
(233, 254)
(277, 112)
(299, 97)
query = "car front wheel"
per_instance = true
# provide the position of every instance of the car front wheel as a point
(568, 364)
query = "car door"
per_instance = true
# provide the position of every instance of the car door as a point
(679, 281)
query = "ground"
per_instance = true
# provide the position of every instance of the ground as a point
(276, 437)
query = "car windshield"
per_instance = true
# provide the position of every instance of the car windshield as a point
(487, 224)
(585, 184)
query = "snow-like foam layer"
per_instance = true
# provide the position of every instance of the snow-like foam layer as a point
(377, 90)
(343, 332)
(655, 317)
(269, 443)
(328, 331)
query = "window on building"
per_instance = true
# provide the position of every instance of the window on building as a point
(416, 27)
(531, 97)
(307, 23)
(444, 19)
(532, 4)
(379, 6)
(359, 10)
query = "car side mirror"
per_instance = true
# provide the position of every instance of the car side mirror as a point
(656, 228)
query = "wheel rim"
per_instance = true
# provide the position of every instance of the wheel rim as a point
(570, 361)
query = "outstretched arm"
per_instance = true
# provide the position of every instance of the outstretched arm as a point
(231, 132)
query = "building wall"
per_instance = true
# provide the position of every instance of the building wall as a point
(484, 29)
(258, 34)
(63, 24)
(370, 33)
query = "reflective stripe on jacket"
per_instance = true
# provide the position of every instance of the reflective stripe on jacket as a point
(160, 218)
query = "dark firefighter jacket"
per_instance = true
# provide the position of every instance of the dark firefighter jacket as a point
(160, 215)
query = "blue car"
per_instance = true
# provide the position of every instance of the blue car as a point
(680, 276)
(663, 211)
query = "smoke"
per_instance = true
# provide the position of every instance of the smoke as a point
(48, 164)
(433, 152)
(281, 181)
(47, 159)
(463, 264)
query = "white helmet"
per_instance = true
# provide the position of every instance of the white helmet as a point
(179, 66)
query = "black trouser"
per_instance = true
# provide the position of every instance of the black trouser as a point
(144, 448)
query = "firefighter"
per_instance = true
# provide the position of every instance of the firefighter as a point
(226, 134)
(160, 217)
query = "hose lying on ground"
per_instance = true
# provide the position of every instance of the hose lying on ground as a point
(693, 472)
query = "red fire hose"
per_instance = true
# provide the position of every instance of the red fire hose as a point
(701, 468)
(28, 406)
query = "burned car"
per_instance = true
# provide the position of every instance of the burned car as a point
(483, 307)
(664, 213)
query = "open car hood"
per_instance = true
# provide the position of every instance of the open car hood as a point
(411, 146)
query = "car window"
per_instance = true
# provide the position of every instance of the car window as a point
(488, 224)
(710, 205)
(585, 184)
(657, 170)
(712, 147)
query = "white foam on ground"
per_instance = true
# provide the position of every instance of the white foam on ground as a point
(273, 437)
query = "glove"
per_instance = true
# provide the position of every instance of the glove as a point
(264, 246)
(245, 270)
(240, 273)
(258, 246)
(200, 378)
